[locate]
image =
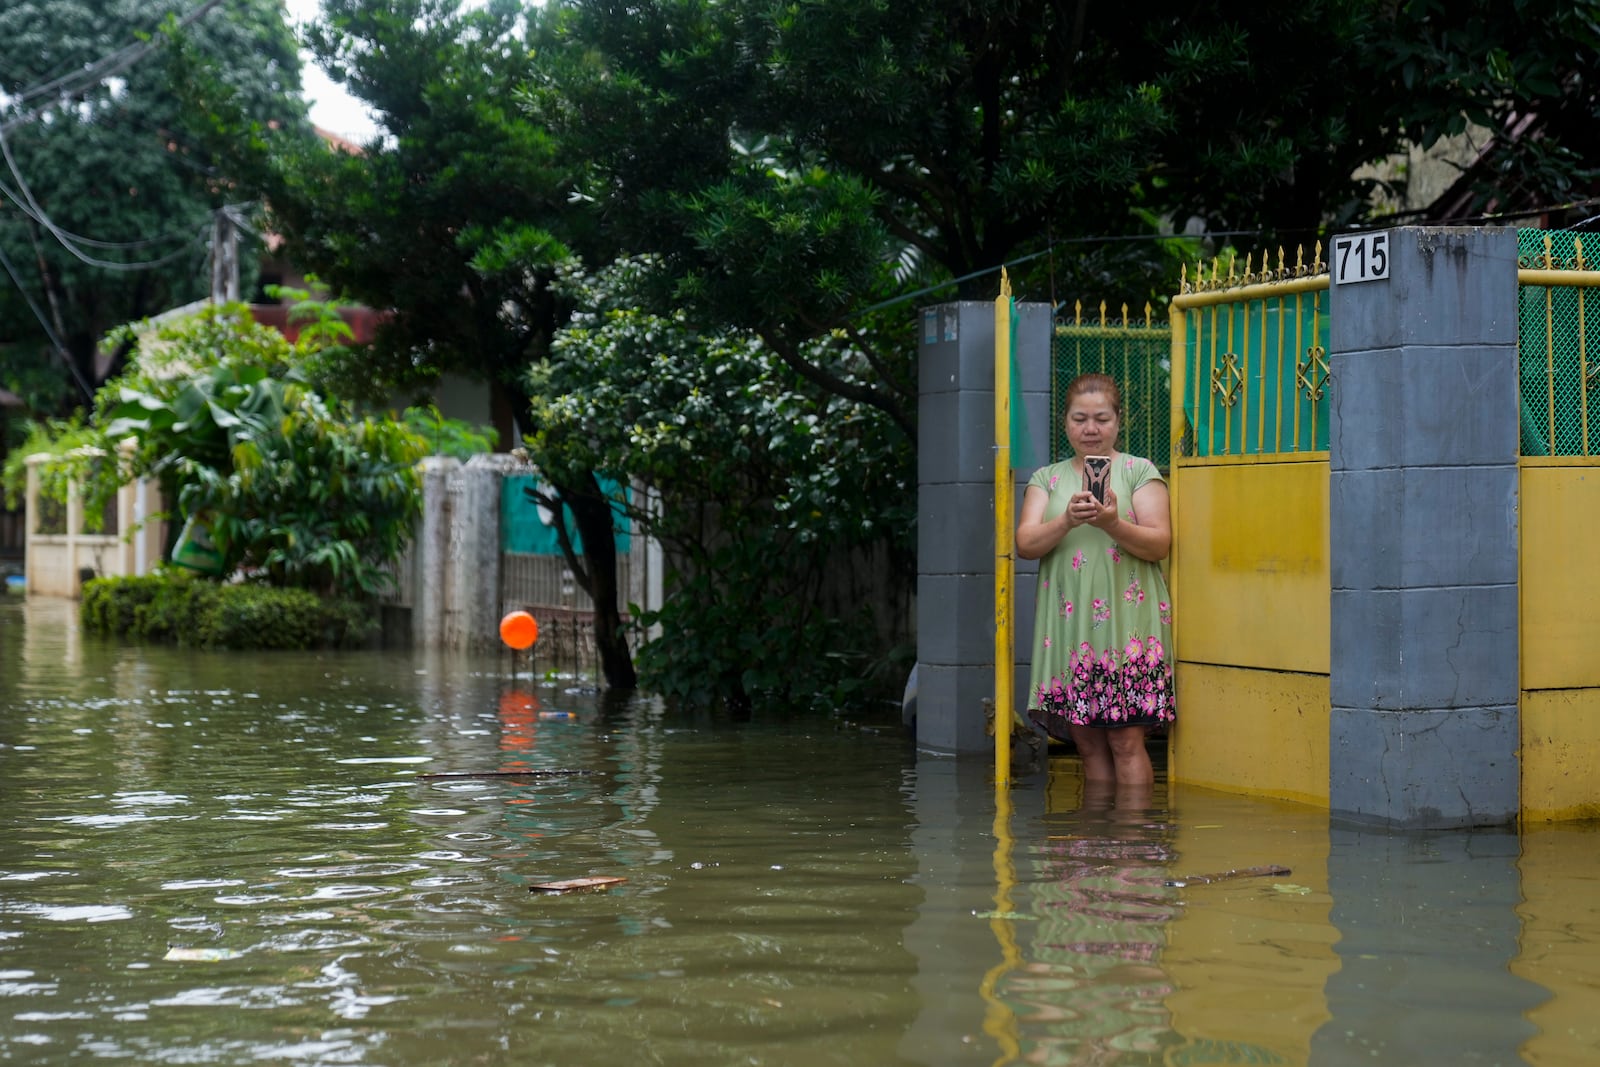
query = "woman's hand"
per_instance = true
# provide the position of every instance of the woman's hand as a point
(1081, 509)
(1103, 516)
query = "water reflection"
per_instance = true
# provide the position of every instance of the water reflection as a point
(1093, 989)
(798, 891)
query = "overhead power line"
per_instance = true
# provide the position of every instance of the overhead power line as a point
(34, 210)
(108, 66)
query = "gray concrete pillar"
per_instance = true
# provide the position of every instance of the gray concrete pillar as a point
(1423, 450)
(955, 514)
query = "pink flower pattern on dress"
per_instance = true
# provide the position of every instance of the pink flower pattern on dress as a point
(1077, 560)
(1115, 553)
(1054, 478)
(1130, 686)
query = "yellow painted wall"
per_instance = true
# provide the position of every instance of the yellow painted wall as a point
(1251, 590)
(1250, 563)
(1560, 606)
(1263, 733)
(1560, 754)
(1560, 580)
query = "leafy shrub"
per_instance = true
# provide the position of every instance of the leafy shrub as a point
(176, 608)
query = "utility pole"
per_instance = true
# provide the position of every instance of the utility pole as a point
(224, 257)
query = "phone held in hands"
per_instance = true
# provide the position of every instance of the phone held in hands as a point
(1097, 476)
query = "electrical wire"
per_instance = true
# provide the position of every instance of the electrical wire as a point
(107, 66)
(55, 341)
(1118, 238)
(91, 242)
(36, 212)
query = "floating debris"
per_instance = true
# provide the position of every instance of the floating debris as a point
(529, 772)
(200, 955)
(1014, 916)
(576, 885)
(1242, 872)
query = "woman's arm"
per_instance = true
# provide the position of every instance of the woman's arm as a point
(1149, 534)
(1035, 535)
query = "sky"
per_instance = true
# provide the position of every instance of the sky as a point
(331, 107)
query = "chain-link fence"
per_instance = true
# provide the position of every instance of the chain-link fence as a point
(1558, 367)
(1135, 351)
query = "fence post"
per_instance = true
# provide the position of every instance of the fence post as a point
(1423, 451)
(431, 553)
(472, 614)
(30, 523)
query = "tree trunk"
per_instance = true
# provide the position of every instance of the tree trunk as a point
(593, 515)
(597, 573)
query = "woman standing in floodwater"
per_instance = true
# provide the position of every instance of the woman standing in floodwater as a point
(1103, 617)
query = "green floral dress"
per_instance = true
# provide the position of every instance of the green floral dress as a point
(1102, 620)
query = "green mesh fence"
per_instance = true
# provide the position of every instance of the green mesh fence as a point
(1258, 376)
(1138, 355)
(1557, 365)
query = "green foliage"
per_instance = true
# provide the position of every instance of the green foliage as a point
(292, 489)
(766, 484)
(118, 192)
(55, 437)
(449, 437)
(174, 608)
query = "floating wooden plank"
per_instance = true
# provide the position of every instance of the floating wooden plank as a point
(531, 772)
(576, 885)
(199, 955)
(1242, 872)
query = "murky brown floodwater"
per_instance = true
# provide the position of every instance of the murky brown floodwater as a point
(799, 892)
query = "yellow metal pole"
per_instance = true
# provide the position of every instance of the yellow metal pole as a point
(1179, 361)
(1004, 533)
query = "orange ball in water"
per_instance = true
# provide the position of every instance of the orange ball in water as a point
(519, 630)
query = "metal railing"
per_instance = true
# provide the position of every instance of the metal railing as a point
(1250, 358)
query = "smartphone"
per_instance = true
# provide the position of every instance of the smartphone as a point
(1097, 476)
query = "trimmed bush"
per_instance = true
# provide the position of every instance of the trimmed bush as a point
(176, 608)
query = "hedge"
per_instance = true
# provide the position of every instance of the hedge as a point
(177, 608)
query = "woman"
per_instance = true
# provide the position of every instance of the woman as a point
(1103, 619)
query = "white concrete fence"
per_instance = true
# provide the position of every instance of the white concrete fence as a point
(452, 586)
(56, 563)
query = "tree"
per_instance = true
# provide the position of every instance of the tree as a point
(107, 198)
(454, 219)
(745, 137)
(766, 483)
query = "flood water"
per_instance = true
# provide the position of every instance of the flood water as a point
(229, 859)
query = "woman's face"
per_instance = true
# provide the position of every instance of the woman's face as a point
(1092, 424)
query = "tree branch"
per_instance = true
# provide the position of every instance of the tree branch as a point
(816, 375)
